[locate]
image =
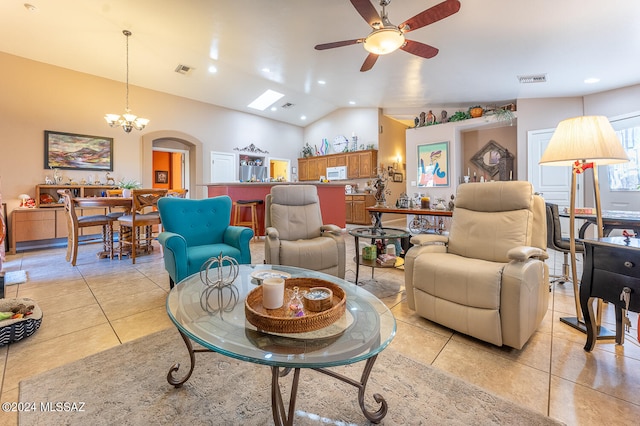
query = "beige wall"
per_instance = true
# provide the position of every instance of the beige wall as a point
(35, 97)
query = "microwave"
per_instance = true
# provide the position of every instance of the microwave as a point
(337, 173)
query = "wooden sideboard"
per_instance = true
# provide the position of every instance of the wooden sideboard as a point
(48, 221)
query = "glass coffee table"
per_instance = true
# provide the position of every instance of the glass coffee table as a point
(215, 319)
(373, 233)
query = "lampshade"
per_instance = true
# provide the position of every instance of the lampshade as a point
(590, 139)
(384, 40)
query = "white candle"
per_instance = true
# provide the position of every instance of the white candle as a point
(272, 293)
(510, 175)
(468, 171)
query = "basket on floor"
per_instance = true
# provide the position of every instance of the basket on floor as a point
(13, 330)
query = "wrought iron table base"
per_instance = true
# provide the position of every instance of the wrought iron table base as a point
(281, 415)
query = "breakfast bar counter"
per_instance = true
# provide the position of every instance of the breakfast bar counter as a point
(331, 194)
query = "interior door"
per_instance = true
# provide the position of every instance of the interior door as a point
(223, 167)
(552, 182)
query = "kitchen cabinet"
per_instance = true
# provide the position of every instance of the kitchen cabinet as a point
(356, 205)
(360, 165)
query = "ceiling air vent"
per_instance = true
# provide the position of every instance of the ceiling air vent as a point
(535, 78)
(183, 69)
(287, 105)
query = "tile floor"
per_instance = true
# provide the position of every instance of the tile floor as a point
(99, 304)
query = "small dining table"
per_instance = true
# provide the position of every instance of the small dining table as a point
(106, 202)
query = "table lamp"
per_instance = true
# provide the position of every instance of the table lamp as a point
(23, 199)
(583, 143)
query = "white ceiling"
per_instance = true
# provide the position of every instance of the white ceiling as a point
(483, 48)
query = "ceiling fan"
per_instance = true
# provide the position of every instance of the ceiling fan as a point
(386, 37)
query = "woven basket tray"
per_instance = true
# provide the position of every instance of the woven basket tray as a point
(277, 320)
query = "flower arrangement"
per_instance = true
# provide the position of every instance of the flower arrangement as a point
(307, 151)
(129, 184)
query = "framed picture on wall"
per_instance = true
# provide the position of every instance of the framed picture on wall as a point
(73, 151)
(162, 176)
(433, 164)
(397, 177)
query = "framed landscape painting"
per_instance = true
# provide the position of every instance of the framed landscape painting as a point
(72, 151)
(433, 164)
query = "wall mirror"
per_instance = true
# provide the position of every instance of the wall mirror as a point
(488, 158)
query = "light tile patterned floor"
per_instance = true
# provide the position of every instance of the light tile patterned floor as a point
(102, 303)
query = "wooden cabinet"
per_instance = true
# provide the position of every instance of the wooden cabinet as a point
(303, 169)
(336, 160)
(360, 165)
(356, 205)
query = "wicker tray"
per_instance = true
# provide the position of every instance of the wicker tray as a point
(277, 320)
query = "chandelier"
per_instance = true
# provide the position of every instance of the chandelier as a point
(127, 120)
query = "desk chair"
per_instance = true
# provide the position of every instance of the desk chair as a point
(556, 242)
(75, 223)
(136, 228)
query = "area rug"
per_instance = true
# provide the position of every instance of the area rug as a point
(127, 385)
(15, 277)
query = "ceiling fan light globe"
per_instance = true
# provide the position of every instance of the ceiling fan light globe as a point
(384, 41)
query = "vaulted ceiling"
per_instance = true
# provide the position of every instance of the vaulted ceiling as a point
(258, 45)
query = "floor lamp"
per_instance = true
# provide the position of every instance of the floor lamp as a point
(583, 143)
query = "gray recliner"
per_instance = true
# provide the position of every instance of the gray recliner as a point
(487, 278)
(295, 234)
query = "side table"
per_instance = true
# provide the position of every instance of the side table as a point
(611, 265)
(375, 233)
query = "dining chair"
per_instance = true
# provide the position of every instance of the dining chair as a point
(136, 227)
(177, 193)
(75, 223)
(114, 193)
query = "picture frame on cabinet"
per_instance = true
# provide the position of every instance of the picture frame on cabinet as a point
(73, 151)
(433, 165)
(162, 176)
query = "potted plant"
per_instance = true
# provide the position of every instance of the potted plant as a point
(307, 151)
(127, 186)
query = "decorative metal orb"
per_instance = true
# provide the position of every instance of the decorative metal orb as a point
(220, 271)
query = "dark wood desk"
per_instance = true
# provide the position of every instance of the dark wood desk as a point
(611, 219)
(611, 264)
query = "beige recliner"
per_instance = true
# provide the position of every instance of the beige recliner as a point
(487, 278)
(295, 235)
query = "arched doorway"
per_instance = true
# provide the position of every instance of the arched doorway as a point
(172, 141)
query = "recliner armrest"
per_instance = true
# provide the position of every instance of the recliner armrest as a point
(334, 229)
(272, 233)
(522, 253)
(429, 239)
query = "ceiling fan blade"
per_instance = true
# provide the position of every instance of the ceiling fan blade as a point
(338, 44)
(431, 15)
(367, 11)
(420, 49)
(369, 62)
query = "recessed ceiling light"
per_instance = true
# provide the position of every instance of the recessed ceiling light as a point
(274, 109)
(591, 80)
(352, 102)
(303, 117)
(213, 69)
(266, 70)
(265, 100)
(322, 82)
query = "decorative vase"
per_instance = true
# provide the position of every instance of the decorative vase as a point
(126, 193)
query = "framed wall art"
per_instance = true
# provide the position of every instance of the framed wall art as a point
(162, 176)
(433, 164)
(397, 177)
(72, 151)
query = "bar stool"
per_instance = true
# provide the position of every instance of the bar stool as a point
(253, 223)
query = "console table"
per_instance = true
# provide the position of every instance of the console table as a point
(610, 265)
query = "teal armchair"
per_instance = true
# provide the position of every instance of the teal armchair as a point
(196, 230)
